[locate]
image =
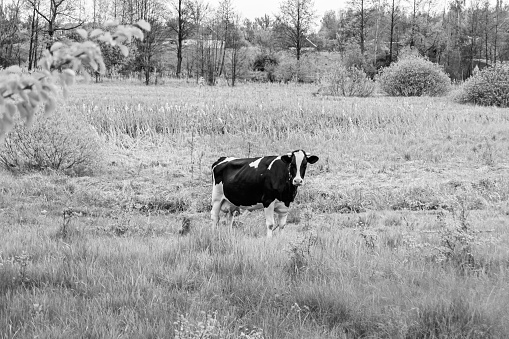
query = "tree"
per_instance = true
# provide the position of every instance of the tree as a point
(359, 8)
(236, 45)
(149, 51)
(56, 10)
(264, 36)
(23, 93)
(392, 26)
(182, 25)
(329, 25)
(194, 56)
(10, 26)
(225, 14)
(34, 36)
(294, 22)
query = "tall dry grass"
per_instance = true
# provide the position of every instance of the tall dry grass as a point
(401, 231)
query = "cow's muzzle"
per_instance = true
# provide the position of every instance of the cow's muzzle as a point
(297, 182)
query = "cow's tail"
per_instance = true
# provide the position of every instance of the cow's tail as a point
(217, 162)
(214, 165)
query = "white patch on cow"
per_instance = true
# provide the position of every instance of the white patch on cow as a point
(255, 163)
(225, 160)
(299, 156)
(273, 161)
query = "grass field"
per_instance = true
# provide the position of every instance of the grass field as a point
(401, 230)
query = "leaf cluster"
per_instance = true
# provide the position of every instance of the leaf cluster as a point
(58, 66)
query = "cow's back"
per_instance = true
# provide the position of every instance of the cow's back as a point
(243, 180)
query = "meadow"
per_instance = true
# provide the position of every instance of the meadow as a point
(400, 231)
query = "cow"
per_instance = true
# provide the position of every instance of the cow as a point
(268, 182)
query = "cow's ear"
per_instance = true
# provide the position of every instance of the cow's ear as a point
(312, 159)
(287, 158)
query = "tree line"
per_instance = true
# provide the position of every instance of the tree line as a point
(193, 39)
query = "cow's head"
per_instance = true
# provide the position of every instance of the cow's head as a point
(297, 162)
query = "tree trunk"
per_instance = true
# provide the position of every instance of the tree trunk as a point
(298, 33)
(36, 42)
(362, 27)
(486, 34)
(377, 26)
(392, 33)
(180, 38)
(32, 34)
(224, 47)
(412, 39)
(496, 33)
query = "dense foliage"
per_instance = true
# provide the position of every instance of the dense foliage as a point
(414, 76)
(488, 87)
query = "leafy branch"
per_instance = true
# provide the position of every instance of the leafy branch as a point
(24, 93)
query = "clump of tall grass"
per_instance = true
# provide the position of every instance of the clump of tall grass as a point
(456, 319)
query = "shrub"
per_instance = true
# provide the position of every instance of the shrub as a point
(352, 82)
(354, 58)
(414, 76)
(488, 87)
(290, 69)
(62, 142)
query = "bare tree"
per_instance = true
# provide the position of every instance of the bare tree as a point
(58, 9)
(150, 49)
(226, 14)
(199, 11)
(236, 45)
(34, 37)
(182, 25)
(294, 22)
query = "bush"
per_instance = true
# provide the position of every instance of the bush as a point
(62, 142)
(290, 69)
(488, 87)
(266, 63)
(354, 58)
(414, 76)
(342, 81)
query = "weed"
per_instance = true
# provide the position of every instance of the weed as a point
(22, 261)
(299, 255)
(207, 328)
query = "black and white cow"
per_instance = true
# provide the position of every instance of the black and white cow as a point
(269, 182)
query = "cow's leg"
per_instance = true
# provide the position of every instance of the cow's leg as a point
(217, 200)
(269, 218)
(282, 220)
(214, 213)
(229, 220)
(282, 213)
